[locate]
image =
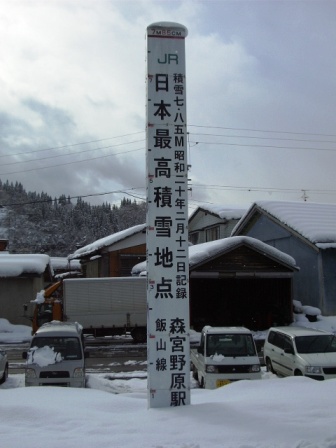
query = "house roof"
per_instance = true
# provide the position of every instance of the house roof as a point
(314, 221)
(107, 241)
(201, 253)
(14, 265)
(225, 212)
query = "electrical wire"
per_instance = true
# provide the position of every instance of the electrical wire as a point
(70, 145)
(124, 191)
(75, 153)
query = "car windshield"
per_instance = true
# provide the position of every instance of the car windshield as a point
(230, 345)
(316, 344)
(68, 347)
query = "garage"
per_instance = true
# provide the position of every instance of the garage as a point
(240, 281)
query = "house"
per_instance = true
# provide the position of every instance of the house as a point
(238, 281)
(114, 255)
(210, 222)
(307, 232)
(21, 278)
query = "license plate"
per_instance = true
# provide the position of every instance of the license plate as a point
(220, 383)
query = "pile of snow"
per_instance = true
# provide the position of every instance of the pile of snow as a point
(12, 334)
(319, 322)
(277, 412)
(39, 297)
(43, 356)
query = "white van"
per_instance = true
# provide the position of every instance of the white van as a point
(301, 351)
(56, 356)
(225, 354)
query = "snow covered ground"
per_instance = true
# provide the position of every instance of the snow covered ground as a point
(273, 412)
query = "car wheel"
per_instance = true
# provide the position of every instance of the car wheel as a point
(139, 335)
(298, 373)
(5, 375)
(269, 366)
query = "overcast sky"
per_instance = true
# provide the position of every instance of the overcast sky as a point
(261, 91)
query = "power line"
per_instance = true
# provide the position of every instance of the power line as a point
(262, 130)
(203, 186)
(77, 197)
(264, 138)
(70, 163)
(189, 125)
(263, 146)
(71, 154)
(70, 145)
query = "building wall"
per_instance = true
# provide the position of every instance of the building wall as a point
(92, 268)
(122, 261)
(14, 293)
(117, 263)
(203, 224)
(328, 285)
(310, 284)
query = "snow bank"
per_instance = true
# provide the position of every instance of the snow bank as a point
(11, 334)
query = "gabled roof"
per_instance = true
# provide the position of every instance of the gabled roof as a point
(14, 265)
(202, 253)
(316, 222)
(94, 247)
(225, 212)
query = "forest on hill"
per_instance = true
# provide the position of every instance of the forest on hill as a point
(37, 223)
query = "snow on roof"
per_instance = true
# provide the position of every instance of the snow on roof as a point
(223, 211)
(62, 263)
(107, 241)
(314, 221)
(200, 253)
(13, 265)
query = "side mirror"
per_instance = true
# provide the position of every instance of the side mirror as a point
(86, 355)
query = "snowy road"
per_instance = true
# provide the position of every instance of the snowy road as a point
(111, 357)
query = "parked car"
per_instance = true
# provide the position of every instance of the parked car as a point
(3, 366)
(56, 356)
(225, 354)
(301, 351)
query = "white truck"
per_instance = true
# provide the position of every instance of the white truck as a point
(103, 306)
(107, 306)
(225, 354)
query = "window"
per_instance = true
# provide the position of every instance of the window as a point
(194, 237)
(68, 347)
(230, 345)
(212, 234)
(277, 339)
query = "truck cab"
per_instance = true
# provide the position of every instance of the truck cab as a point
(225, 354)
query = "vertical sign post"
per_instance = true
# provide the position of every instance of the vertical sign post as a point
(168, 334)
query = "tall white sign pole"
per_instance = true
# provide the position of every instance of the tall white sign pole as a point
(168, 342)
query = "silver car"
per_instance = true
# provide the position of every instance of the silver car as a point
(56, 356)
(3, 366)
(301, 351)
